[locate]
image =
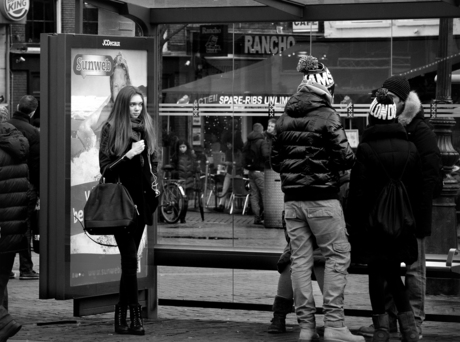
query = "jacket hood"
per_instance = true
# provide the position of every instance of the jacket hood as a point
(13, 142)
(385, 131)
(305, 101)
(411, 108)
(255, 136)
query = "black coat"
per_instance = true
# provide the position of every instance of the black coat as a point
(185, 167)
(22, 122)
(422, 135)
(133, 173)
(14, 149)
(310, 149)
(391, 147)
(256, 142)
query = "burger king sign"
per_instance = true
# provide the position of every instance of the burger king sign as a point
(14, 10)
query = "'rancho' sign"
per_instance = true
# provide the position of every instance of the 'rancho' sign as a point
(14, 10)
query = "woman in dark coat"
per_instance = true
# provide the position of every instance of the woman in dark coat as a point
(127, 152)
(185, 167)
(384, 148)
(14, 184)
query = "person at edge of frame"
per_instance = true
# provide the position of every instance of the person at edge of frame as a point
(128, 154)
(309, 151)
(14, 203)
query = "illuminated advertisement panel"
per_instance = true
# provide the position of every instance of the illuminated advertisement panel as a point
(81, 76)
(96, 77)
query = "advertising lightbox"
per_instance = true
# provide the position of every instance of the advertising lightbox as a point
(81, 77)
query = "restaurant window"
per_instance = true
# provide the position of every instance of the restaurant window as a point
(41, 18)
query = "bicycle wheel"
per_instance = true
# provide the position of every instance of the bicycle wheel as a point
(172, 203)
(200, 196)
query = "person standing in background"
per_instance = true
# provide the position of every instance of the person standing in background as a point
(255, 156)
(22, 121)
(186, 168)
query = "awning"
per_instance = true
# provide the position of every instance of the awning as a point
(225, 11)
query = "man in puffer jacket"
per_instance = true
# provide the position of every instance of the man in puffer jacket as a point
(309, 152)
(410, 114)
(14, 184)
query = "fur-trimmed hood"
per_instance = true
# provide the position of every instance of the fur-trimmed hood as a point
(411, 109)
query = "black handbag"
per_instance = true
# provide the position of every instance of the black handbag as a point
(109, 209)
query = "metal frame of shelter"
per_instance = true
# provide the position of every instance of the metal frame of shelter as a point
(151, 13)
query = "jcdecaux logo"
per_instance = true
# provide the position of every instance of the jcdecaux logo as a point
(14, 9)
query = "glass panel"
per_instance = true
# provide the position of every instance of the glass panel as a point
(49, 10)
(38, 10)
(189, 283)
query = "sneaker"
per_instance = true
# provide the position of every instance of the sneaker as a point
(341, 335)
(307, 335)
(32, 275)
(12, 275)
(369, 331)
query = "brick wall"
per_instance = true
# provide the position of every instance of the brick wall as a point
(68, 16)
(18, 88)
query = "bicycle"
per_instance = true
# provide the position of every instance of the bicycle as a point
(173, 197)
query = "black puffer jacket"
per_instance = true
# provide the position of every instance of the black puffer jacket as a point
(310, 149)
(14, 149)
(387, 143)
(421, 134)
(22, 122)
(185, 167)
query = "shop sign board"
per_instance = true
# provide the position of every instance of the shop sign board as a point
(91, 70)
(213, 40)
(14, 10)
(305, 26)
(251, 44)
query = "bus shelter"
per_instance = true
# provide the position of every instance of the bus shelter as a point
(226, 66)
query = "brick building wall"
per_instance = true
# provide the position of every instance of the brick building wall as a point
(18, 88)
(68, 16)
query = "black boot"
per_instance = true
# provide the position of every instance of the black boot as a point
(182, 217)
(137, 324)
(121, 325)
(409, 332)
(281, 307)
(382, 327)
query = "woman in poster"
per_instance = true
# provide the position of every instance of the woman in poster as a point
(127, 152)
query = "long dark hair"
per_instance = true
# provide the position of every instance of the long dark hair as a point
(121, 127)
(177, 154)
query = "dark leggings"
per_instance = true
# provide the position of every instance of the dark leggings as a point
(387, 272)
(128, 245)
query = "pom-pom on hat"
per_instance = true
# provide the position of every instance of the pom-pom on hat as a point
(316, 72)
(382, 109)
(398, 85)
